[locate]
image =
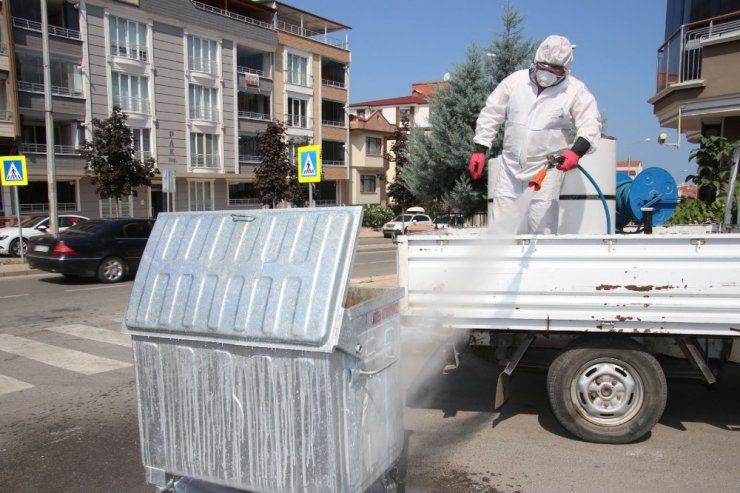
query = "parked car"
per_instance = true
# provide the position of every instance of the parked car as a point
(109, 249)
(449, 220)
(400, 225)
(34, 226)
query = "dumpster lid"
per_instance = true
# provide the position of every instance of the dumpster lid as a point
(269, 278)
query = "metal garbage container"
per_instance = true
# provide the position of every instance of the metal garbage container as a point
(258, 366)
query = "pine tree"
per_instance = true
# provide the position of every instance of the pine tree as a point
(272, 174)
(507, 52)
(110, 158)
(397, 190)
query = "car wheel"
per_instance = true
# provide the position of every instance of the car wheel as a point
(111, 269)
(15, 250)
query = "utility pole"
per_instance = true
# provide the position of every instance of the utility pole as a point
(51, 175)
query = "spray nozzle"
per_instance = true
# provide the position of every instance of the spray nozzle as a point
(536, 182)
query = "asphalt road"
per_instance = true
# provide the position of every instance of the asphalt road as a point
(68, 412)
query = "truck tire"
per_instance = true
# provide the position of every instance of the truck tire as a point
(606, 389)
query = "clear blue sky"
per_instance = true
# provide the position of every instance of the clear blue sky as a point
(397, 42)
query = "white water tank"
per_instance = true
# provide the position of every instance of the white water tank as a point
(581, 209)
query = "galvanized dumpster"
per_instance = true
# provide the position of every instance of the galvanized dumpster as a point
(257, 366)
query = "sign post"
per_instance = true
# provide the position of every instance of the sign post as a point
(309, 168)
(14, 175)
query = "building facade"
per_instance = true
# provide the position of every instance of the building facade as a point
(369, 138)
(199, 80)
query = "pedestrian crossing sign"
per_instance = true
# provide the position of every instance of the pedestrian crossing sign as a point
(14, 170)
(309, 164)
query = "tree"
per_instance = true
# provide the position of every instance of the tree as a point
(274, 169)
(438, 159)
(714, 167)
(397, 189)
(111, 161)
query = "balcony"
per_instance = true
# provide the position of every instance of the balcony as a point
(133, 105)
(266, 74)
(205, 161)
(253, 202)
(297, 121)
(35, 26)
(130, 51)
(333, 162)
(203, 65)
(35, 87)
(6, 116)
(30, 148)
(205, 113)
(250, 115)
(312, 35)
(142, 156)
(249, 159)
(333, 83)
(3, 49)
(44, 207)
(333, 123)
(232, 15)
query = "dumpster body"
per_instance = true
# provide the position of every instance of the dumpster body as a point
(257, 366)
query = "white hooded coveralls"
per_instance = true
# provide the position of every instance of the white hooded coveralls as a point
(536, 125)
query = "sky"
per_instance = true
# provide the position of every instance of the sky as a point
(395, 43)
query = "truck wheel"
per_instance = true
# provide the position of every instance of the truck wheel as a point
(606, 390)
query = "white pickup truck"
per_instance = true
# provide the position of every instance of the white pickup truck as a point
(610, 303)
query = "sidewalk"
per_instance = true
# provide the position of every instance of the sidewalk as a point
(14, 267)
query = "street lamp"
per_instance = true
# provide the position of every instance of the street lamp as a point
(629, 151)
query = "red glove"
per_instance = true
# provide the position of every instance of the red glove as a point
(568, 160)
(477, 161)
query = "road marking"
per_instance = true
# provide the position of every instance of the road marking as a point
(67, 359)
(94, 334)
(123, 285)
(14, 296)
(8, 385)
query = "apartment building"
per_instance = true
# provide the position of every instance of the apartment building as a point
(369, 141)
(199, 80)
(698, 70)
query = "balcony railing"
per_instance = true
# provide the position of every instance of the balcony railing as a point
(251, 115)
(6, 116)
(53, 30)
(44, 207)
(315, 36)
(298, 79)
(204, 161)
(298, 121)
(267, 74)
(333, 123)
(133, 105)
(232, 15)
(332, 162)
(3, 49)
(72, 92)
(142, 156)
(249, 159)
(131, 51)
(680, 57)
(28, 148)
(332, 83)
(326, 203)
(205, 113)
(205, 65)
(250, 202)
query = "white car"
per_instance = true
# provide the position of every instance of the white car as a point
(38, 225)
(400, 225)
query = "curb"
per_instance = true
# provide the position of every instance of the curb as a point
(15, 269)
(387, 280)
(376, 248)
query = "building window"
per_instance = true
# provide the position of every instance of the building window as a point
(33, 138)
(243, 193)
(298, 70)
(332, 153)
(203, 103)
(204, 150)
(254, 106)
(34, 197)
(374, 146)
(326, 191)
(297, 113)
(111, 207)
(200, 196)
(66, 77)
(128, 39)
(361, 113)
(332, 113)
(202, 55)
(131, 92)
(141, 143)
(248, 149)
(404, 117)
(367, 183)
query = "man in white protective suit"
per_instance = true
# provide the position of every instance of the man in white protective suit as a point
(540, 107)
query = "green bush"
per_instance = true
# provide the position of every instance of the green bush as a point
(375, 217)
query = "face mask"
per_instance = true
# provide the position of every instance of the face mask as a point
(545, 78)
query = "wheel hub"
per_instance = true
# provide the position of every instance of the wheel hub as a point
(607, 391)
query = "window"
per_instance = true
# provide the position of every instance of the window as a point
(116, 208)
(248, 149)
(367, 183)
(332, 153)
(297, 113)
(204, 150)
(35, 197)
(297, 70)
(141, 143)
(33, 138)
(203, 103)
(243, 193)
(66, 77)
(131, 92)
(256, 106)
(136, 230)
(128, 39)
(200, 196)
(332, 113)
(404, 117)
(202, 55)
(374, 146)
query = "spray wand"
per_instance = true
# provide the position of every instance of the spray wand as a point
(536, 182)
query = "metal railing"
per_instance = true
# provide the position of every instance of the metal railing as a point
(44, 207)
(326, 203)
(313, 35)
(333, 123)
(205, 65)
(201, 205)
(298, 79)
(332, 83)
(36, 87)
(6, 116)
(142, 156)
(250, 115)
(28, 148)
(333, 162)
(3, 49)
(267, 74)
(249, 159)
(206, 113)
(232, 15)
(680, 57)
(133, 105)
(53, 30)
(130, 51)
(254, 202)
(204, 161)
(298, 121)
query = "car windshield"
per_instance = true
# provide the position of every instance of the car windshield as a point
(85, 228)
(403, 218)
(32, 223)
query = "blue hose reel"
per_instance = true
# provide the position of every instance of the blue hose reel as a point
(653, 188)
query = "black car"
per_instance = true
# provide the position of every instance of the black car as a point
(109, 249)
